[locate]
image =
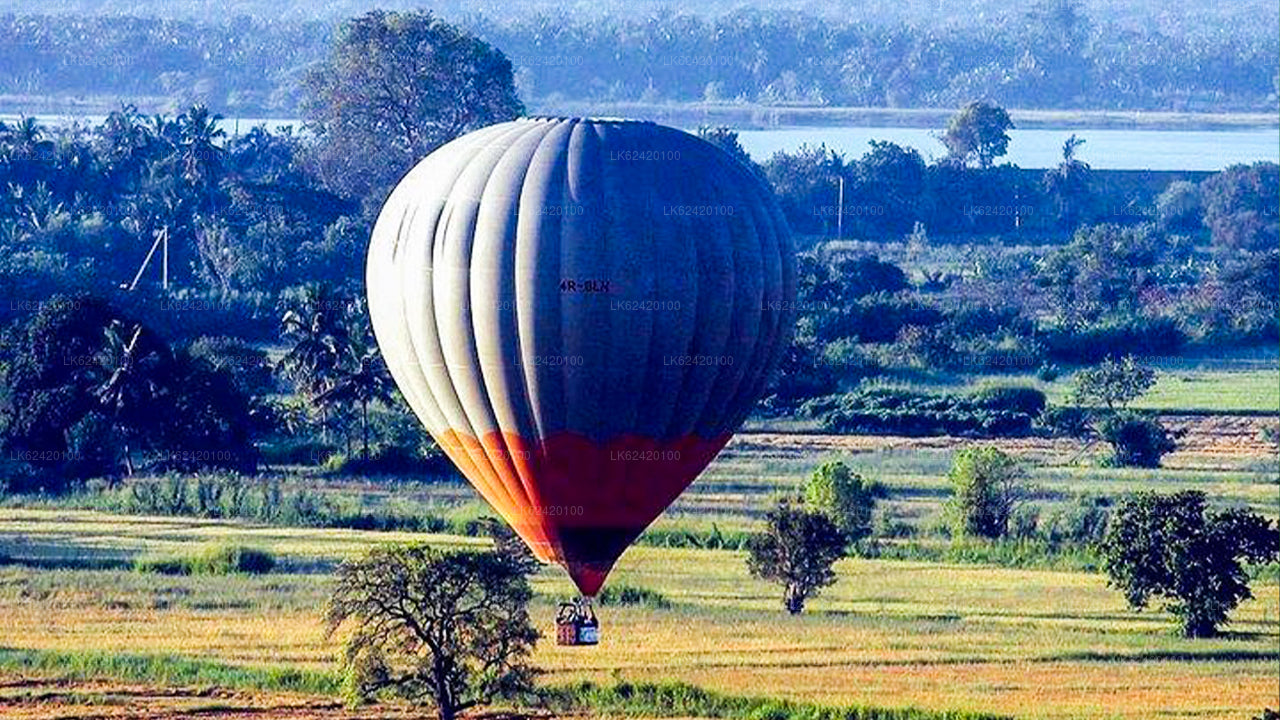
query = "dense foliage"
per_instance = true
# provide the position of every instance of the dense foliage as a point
(1044, 54)
(1174, 547)
(796, 549)
(846, 496)
(987, 485)
(449, 628)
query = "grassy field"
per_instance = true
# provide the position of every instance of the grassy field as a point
(1243, 381)
(897, 634)
(1007, 640)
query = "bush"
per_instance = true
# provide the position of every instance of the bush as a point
(987, 489)
(846, 496)
(388, 460)
(904, 412)
(214, 560)
(1134, 336)
(1083, 521)
(623, 594)
(1067, 422)
(1026, 400)
(1136, 441)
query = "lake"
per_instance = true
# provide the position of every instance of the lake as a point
(1040, 148)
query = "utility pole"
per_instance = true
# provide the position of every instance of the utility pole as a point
(161, 243)
(840, 211)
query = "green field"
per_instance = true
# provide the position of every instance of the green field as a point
(1031, 643)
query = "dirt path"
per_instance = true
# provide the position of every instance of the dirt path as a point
(1204, 439)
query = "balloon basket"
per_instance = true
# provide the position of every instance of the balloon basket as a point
(576, 623)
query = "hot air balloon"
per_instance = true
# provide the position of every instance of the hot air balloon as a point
(581, 312)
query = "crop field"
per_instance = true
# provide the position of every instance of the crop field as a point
(83, 634)
(1026, 643)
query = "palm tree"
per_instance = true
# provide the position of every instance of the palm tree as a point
(317, 338)
(363, 380)
(128, 386)
(201, 155)
(1068, 184)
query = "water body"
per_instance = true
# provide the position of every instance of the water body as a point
(1207, 150)
(1103, 149)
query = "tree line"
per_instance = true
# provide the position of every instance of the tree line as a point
(1050, 55)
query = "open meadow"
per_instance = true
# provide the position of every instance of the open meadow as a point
(1020, 642)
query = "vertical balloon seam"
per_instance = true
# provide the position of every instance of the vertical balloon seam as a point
(458, 432)
(642, 211)
(783, 318)
(449, 159)
(449, 439)
(457, 247)
(623, 241)
(580, 260)
(728, 378)
(703, 253)
(509, 329)
(682, 235)
(700, 380)
(741, 398)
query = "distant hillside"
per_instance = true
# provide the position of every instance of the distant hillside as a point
(246, 58)
(1168, 16)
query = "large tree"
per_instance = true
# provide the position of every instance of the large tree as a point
(796, 550)
(395, 87)
(978, 132)
(446, 627)
(1174, 547)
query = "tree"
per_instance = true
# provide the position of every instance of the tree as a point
(1173, 547)
(315, 335)
(1178, 207)
(727, 140)
(890, 182)
(796, 550)
(1242, 207)
(395, 87)
(1113, 383)
(979, 131)
(987, 484)
(1069, 185)
(129, 388)
(49, 371)
(846, 496)
(361, 380)
(1136, 441)
(807, 183)
(447, 627)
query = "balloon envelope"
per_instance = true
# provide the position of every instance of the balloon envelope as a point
(581, 312)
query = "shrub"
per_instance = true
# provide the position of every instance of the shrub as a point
(623, 594)
(1026, 400)
(843, 494)
(1137, 336)
(388, 460)
(1136, 441)
(987, 488)
(1083, 521)
(905, 412)
(213, 560)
